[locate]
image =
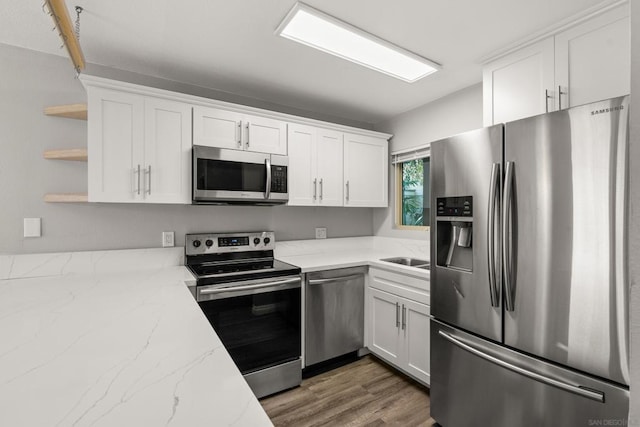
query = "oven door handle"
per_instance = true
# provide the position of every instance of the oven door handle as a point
(231, 291)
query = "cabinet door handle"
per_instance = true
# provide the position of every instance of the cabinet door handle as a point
(397, 315)
(149, 181)
(560, 93)
(239, 133)
(248, 138)
(347, 196)
(321, 191)
(138, 173)
(404, 317)
(315, 188)
(546, 100)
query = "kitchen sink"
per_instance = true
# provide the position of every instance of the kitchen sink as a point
(411, 262)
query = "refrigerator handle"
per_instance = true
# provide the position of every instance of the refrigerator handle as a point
(596, 395)
(494, 191)
(507, 241)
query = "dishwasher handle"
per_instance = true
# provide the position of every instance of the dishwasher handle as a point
(334, 279)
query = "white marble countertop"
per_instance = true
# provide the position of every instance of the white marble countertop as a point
(82, 346)
(110, 338)
(326, 254)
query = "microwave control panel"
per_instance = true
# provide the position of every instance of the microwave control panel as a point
(278, 179)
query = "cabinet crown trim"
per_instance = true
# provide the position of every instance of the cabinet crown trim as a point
(553, 30)
(101, 82)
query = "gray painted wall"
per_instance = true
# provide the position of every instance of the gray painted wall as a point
(459, 112)
(30, 81)
(634, 216)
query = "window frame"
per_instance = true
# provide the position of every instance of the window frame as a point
(398, 203)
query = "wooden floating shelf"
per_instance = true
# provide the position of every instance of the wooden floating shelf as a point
(70, 111)
(66, 198)
(75, 154)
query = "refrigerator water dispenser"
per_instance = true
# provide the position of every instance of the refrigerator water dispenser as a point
(454, 232)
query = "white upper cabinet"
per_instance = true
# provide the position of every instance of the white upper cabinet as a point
(115, 146)
(517, 85)
(167, 151)
(141, 139)
(593, 59)
(139, 148)
(215, 127)
(315, 166)
(302, 166)
(330, 160)
(581, 62)
(366, 165)
(265, 135)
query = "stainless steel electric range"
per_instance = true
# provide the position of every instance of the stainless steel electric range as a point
(253, 302)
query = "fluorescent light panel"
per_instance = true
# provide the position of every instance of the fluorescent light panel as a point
(316, 29)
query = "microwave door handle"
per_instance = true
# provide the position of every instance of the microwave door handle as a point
(267, 163)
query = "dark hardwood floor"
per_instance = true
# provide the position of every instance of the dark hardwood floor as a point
(365, 392)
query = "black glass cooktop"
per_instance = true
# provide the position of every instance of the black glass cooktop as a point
(208, 273)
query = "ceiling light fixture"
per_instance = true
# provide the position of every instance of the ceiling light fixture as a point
(316, 29)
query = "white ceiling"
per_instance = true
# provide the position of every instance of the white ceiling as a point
(230, 45)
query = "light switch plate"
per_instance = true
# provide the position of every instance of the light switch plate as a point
(32, 227)
(168, 239)
(321, 232)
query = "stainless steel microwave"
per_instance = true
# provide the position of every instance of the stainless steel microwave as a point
(224, 176)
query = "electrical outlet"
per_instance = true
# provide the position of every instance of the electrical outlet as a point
(321, 232)
(168, 239)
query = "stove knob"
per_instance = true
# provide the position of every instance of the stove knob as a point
(196, 243)
(209, 243)
(256, 241)
(266, 240)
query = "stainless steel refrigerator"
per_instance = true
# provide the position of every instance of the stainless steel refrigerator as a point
(529, 287)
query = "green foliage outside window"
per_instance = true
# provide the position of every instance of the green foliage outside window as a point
(415, 187)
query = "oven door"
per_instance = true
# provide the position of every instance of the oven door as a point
(233, 176)
(258, 321)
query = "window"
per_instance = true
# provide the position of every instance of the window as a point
(412, 193)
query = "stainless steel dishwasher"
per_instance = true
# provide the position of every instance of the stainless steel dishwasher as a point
(334, 313)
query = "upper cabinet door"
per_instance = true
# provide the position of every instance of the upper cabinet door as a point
(115, 148)
(330, 159)
(516, 86)
(217, 128)
(265, 135)
(366, 170)
(593, 59)
(167, 151)
(213, 127)
(303, 184)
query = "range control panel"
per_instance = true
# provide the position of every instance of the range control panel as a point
(216, 243)
(455, 206)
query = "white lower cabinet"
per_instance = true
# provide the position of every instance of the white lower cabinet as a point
(397, 326)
